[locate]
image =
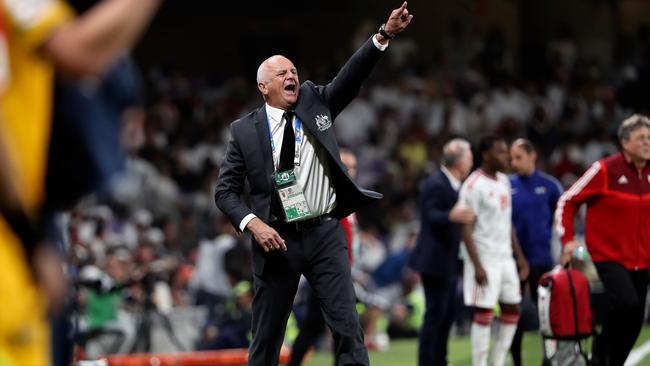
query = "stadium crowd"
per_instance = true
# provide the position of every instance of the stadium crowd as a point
(163, 219)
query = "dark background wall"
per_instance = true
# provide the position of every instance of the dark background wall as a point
(226, 38)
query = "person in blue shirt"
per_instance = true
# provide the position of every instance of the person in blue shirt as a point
(534, 197)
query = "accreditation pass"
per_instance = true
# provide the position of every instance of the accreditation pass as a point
(292, 197)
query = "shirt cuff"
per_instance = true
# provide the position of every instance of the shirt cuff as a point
(381, 47)
(245, 221)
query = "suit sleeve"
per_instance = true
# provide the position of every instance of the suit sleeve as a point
(588, 186)
(347, 83)
(433, 209)
(232, 177)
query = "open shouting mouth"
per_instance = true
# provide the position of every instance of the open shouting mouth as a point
(291, 88)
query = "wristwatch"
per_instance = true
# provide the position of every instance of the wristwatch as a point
(382, 31)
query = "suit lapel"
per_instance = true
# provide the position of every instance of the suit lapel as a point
(307, 114)
(264, 140)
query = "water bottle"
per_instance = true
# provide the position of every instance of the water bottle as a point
(582, 262)
(581, 254)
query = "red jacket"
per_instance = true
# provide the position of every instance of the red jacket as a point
(618, 212)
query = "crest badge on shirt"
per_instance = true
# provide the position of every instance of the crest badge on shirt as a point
(323, 122)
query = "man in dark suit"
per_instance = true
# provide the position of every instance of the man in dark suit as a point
(287, 152)
(436, 254)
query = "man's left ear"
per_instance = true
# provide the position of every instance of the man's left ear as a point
(262, 88)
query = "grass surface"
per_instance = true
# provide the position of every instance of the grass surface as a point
(404, 352)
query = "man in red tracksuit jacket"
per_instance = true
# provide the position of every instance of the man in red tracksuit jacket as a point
(617, 234)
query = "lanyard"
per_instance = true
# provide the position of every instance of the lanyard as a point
(297, 132)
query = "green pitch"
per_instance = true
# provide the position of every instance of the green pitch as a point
(404, 352)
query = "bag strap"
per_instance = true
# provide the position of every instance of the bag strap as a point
(574, 301)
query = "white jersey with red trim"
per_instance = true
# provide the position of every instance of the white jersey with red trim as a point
(490, 199)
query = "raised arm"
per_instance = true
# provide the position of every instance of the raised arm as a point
(347, 83)
(89, 44)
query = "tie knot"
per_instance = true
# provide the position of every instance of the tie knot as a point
(288, 116)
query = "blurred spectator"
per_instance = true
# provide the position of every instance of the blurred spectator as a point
(233, 329)
(210, 281)
(106, 326)
(44, 37)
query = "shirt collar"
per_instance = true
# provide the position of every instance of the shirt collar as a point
(528, 177)
(274, 114)
(455, 183)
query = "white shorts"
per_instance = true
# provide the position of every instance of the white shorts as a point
(502, 287)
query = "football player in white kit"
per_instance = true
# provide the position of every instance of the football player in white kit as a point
(491, 274)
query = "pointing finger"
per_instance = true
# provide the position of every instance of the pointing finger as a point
(402, 11)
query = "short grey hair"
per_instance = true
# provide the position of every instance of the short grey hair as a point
(631, 124)
(262, 74)
(454, 150)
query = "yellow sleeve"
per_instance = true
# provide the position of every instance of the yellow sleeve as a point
(32, 21)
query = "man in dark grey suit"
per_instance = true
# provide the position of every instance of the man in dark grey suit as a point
(435, 256)
(298, 189)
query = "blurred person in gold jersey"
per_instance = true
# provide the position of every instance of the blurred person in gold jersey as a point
(39, 38)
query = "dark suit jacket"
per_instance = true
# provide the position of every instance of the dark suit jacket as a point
(436, 251)
(249, 158)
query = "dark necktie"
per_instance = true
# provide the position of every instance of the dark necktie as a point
(287, 153)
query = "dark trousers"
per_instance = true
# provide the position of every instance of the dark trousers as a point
(620, 311)
(311, 328)
(439, 295)
(535, 274)
(320, 254)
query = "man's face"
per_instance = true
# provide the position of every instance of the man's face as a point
(465, 164)
(638, 145)
(521, 162)
(281, 87)
(498, 156)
